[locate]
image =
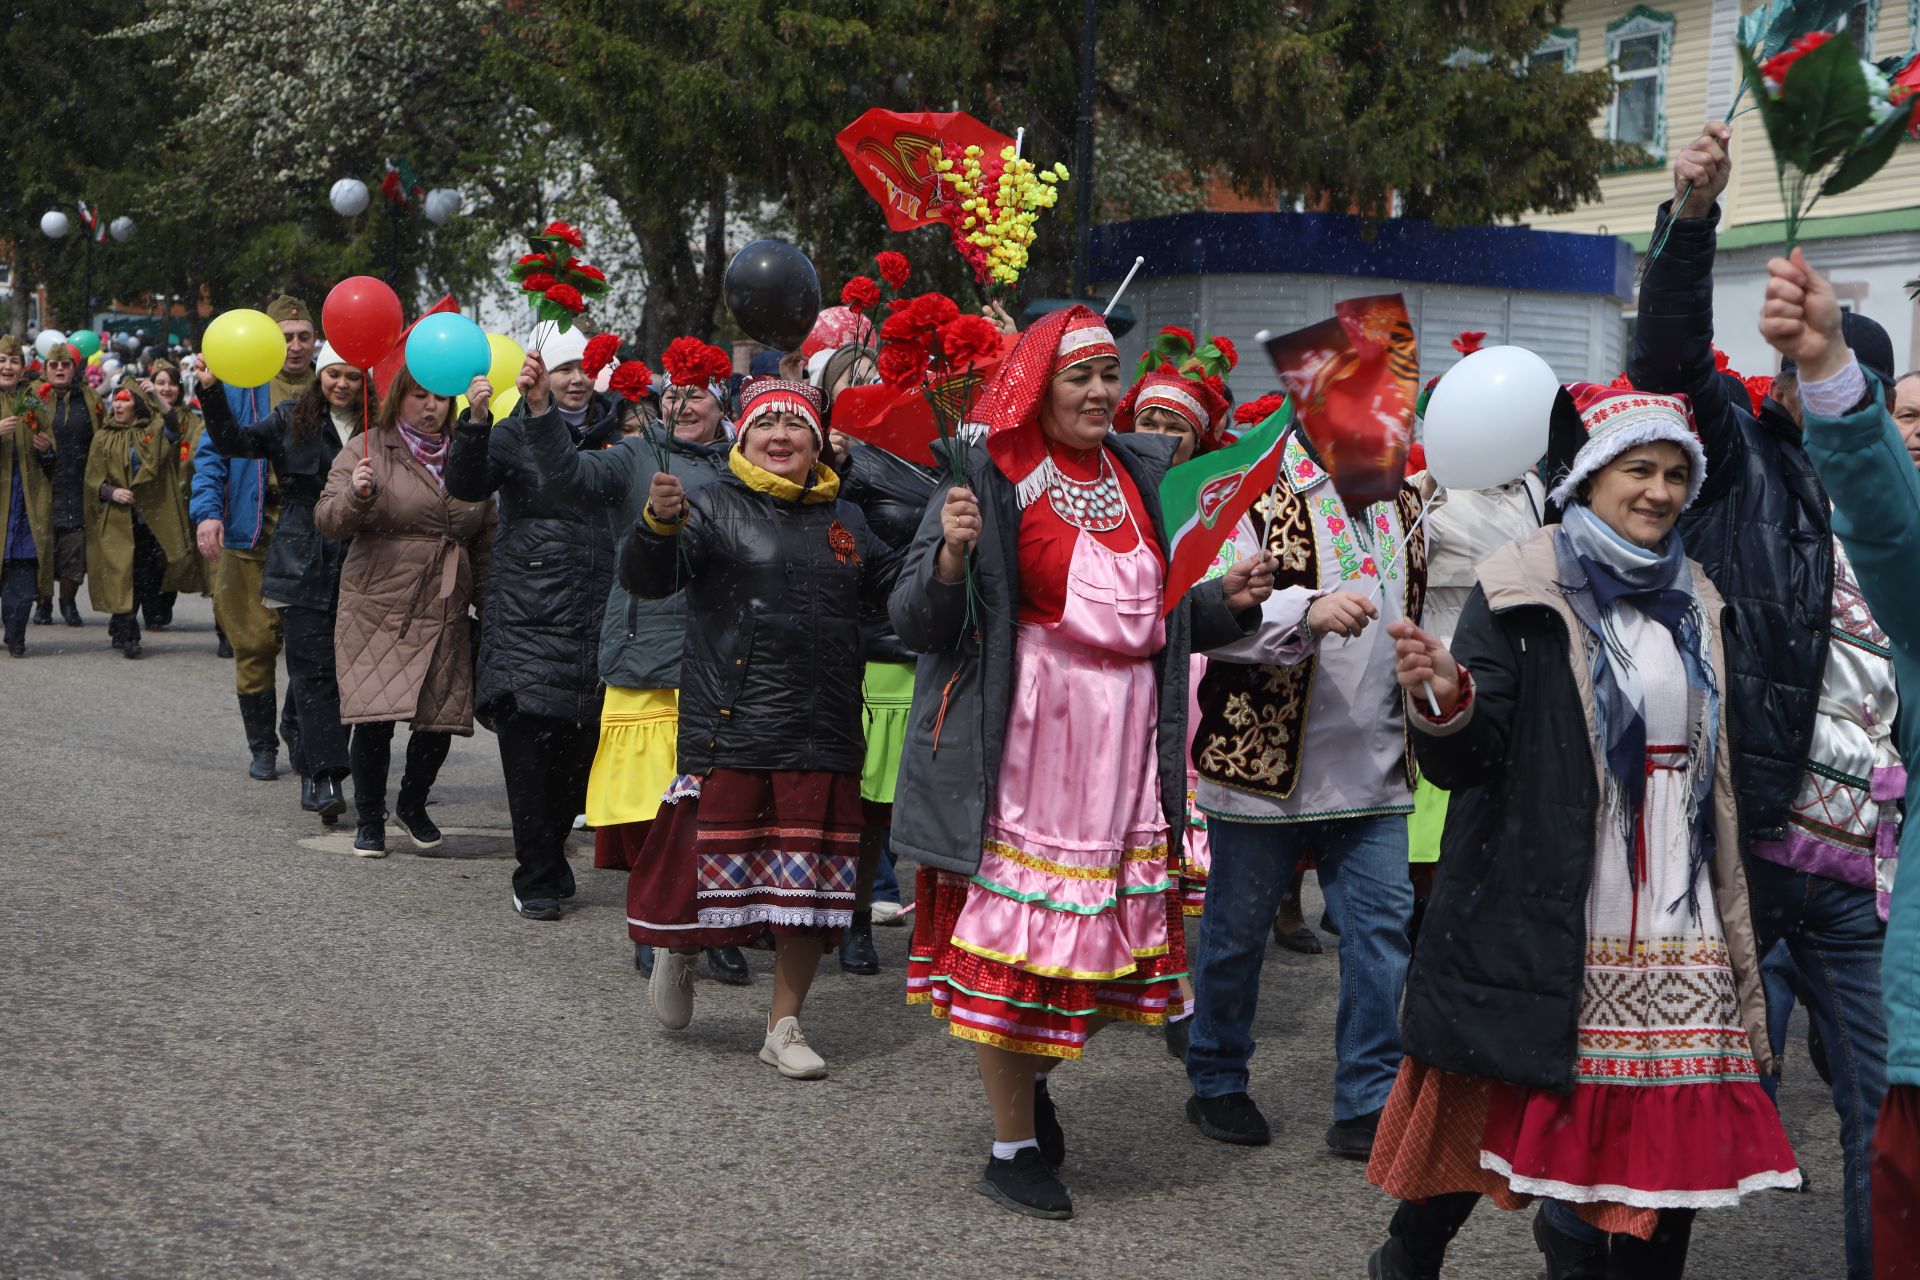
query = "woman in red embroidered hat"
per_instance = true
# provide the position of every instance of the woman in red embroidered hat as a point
(758, 842)
(1041, 788)
(1584, 1020)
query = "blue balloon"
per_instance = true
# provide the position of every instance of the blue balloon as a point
(446, 351)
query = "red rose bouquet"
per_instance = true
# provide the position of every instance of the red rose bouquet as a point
(556, 282)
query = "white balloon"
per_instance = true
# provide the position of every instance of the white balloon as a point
(54, 224)
(1486, 422)
(47, 341)
(441, 204)
(349, 197)
(121, 228)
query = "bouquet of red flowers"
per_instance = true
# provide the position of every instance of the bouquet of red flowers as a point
(1215, 358)
(690, 362)
(558, 283)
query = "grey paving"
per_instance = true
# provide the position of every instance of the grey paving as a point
(224, 1052)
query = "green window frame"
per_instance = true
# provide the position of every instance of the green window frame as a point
(1646, 34)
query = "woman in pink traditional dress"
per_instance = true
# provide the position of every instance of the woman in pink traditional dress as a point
(1584, 1019)
(1041, 788)
(1191, 410)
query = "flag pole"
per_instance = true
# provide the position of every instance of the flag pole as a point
(1115, 299)
(1433, 703)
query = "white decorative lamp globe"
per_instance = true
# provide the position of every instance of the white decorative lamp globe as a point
(349, 197)
(441, 204)
(54, 224)
(121, 228)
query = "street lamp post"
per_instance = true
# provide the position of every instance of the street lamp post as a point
(55, 225)
(350, 198)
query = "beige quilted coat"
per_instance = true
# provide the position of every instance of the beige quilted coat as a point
(418, 562)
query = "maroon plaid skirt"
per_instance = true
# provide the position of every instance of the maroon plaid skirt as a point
(739, 856)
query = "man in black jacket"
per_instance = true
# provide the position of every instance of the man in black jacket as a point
(1763, 530)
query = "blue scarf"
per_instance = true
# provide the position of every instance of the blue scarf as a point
(1602, 572)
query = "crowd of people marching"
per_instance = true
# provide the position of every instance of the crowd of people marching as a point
(1601, 770)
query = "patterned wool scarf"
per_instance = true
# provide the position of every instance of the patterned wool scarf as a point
(429, 450)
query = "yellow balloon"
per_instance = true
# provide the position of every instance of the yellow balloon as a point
(244, 348)
(507, 357)
(95, 358)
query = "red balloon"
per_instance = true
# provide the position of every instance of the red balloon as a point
(362, 319)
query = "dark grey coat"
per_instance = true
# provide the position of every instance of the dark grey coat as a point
(943, 797)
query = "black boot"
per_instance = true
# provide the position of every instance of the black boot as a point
(307, 803)
(327, 800)
(130, 637)
(116, 631)
(43, 612)
(1568, 1258)
(225, 648)
(856, 946)
(257, 713)
(726, 964)
(70, 612)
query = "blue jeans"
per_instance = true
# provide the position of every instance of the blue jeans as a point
(886, 883)
(1834, 936)
(1363, 876)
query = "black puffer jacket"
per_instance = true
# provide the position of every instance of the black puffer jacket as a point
(1762, 529)
(552, 563)
(893, 494)
(1495, 987)
(771, 675)
(303, 567)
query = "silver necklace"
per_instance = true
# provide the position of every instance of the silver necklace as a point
(1096, 505)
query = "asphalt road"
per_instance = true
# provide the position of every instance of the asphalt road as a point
(227, 1048)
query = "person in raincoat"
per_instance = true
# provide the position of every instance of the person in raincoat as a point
(26, 497)
(164, 382)
(73, 413)
(137, 540)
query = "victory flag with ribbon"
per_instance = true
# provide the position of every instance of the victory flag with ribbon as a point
(1204, 500)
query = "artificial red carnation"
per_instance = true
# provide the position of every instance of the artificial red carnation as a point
(1175, 331)
(1255, 411)
(1774, 69)
(931, 310)
(1622, 382)
(894, 268)
(602, 348)
(900, 327)
(1906, 85)
(719, 364)
(561, 231)
(588, 270)
(539, 282)
(534, 259)
(1759, 387)
(896, 305)
(685, 361)
(859, 294)
(1231, 352)
(969, 339)
(1168, 367)
(902, 364)
(565, 295)
(1721, 361)
(1469, 341)
(631, 379)
(1215, 385)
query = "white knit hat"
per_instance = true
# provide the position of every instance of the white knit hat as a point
(327, 356)
(557, 347)
(1618, 419)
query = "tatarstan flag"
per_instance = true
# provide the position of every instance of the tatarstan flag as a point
(1203, 500)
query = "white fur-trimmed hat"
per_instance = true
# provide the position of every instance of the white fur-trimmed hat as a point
(1618, 419)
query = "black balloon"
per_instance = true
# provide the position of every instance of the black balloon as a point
(774, 293)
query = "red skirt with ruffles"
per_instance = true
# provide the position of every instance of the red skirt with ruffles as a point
(997, 1004)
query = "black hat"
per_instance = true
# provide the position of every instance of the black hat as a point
(1866, 339)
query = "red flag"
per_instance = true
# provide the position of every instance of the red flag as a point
(892, 154)
(1353, 379)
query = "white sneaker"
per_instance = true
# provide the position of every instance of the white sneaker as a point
(580, 822)
(889, 913)
(671, 987)
(787, 1050)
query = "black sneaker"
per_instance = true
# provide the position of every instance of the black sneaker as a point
(222, 650)
(726, 964)
(43, 613)
(1046, 1128)
(1178, 1034)
(538, 908)
(1232, 1118)
(70, 613)
(131, 649)
(1353, 1138)
(1024, 1185)
(420, 829)
(370, 840)
(1392, 1262)
(17, 650)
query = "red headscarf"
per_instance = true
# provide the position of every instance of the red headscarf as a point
(1011, 405)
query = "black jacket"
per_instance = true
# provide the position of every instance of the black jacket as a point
(1494, 989)
(72, 422)
(963, 682)
(772, 671)
(1762, 529)
(552, 562)
(893, 494)
(303, 567)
